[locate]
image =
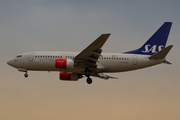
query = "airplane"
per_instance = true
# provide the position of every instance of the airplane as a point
(92, 62)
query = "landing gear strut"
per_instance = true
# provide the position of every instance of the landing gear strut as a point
(26, 75)
(87, 74)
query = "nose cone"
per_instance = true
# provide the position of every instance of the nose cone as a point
(10, 62)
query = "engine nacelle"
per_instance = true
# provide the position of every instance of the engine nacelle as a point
(63, 63)
(68, 76)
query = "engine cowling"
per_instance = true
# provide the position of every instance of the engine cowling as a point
(68, 76)
(62, 63)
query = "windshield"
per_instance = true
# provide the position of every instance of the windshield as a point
(19, 56)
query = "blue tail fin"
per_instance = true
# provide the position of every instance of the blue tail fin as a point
(156, 42)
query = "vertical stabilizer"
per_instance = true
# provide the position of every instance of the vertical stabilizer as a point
(156, 42)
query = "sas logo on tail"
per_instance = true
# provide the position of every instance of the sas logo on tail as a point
(152, 49)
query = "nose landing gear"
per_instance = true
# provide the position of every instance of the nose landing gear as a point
(26, 75)
(23, 70)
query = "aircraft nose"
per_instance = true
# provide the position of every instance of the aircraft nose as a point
(10, 62)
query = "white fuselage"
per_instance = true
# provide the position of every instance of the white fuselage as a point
(92, 62)
(108, 62)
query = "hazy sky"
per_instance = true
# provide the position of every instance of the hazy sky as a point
(51, 25)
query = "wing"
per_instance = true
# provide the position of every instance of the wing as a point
(103, 76)
(89, 56)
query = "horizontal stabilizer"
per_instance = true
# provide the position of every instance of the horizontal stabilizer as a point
(167, 62)
(161, 54)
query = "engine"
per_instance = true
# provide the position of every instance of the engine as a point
(68, 76)
(62, 63)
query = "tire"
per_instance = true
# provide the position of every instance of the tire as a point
(89, 80)
(25, 75)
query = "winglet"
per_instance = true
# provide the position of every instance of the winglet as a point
(161, 54)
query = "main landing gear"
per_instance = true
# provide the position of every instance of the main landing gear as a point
(89, 80)
(87, 74)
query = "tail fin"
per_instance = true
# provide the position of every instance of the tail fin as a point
(156, 42)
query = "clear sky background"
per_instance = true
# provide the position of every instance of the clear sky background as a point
(54, 25)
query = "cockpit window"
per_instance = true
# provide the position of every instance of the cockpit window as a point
(19, 56)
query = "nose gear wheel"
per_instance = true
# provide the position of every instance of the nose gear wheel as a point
(26, 75)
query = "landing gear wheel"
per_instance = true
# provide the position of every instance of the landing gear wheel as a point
(25, 75)
(89, 80)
